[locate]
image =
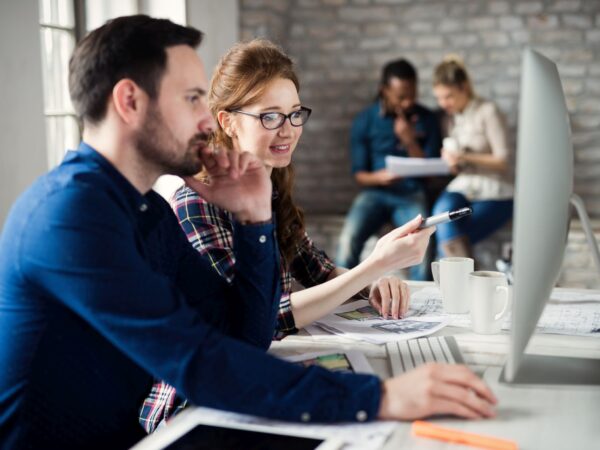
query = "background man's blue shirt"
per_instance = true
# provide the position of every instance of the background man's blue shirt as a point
(100, 292)
(372, 139)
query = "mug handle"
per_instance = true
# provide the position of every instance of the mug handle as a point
(506, 292)
(435, 271)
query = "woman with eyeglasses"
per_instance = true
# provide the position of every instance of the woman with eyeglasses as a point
(254, 98)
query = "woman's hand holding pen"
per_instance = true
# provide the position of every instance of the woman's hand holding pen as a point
(402, 247)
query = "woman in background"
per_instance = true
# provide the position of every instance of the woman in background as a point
(254, 98)
(477, 150)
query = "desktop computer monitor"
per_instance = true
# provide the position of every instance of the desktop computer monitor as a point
(543, 193)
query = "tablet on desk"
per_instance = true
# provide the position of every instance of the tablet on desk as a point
(193, 431)
(210, 437)
(203, 428)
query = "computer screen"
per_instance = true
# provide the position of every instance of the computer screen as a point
(543, 191)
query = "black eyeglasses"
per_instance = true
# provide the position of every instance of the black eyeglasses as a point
(274, 120)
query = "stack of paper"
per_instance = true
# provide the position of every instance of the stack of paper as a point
(416, 167)
(359, 320)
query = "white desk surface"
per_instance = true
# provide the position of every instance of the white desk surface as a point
(561, 418)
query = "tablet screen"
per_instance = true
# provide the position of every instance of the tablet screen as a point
(218, 438)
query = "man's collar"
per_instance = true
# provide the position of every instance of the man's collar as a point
(382, 110)
(133, 197)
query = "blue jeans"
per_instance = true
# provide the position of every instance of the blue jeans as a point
(488, 216)
(369, 212)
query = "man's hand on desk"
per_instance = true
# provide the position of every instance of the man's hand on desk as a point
(436, 389)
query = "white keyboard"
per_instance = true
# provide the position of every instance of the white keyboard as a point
(407, 355)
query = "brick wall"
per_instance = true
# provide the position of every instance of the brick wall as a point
(340, 46)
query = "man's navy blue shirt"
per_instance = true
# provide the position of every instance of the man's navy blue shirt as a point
(100, 292)
(372, 139)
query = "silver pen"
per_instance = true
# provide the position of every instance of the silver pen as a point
(445, 217)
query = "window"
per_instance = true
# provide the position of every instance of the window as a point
(98, 12)
(57, 30)
(62, 23)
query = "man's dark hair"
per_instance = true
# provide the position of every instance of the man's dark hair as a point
(131, 47)
(399, 68)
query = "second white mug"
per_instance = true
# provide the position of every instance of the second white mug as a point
(452, 276)
(490, 300)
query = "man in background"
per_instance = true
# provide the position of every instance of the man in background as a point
(395, 124)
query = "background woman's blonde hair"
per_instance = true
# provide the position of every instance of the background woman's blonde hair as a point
(452, 72)
(239, 80)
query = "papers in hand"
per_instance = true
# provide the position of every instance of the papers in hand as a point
(359, 320)
(416, 167)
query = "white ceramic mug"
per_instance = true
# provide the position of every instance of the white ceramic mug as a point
(451, 144)
(452, 275)
(490, 299)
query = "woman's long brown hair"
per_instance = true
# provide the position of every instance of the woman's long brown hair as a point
(239, 80)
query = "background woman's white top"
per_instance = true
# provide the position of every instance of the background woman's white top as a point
(481, 128)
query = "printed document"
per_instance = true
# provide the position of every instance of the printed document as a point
(360, 321)
(343, 361)
(572, 312)
(416, 167)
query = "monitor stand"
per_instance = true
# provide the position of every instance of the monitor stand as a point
(540, 369)
(561, 370)
(577, 202)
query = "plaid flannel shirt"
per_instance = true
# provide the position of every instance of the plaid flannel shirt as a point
(210, 230)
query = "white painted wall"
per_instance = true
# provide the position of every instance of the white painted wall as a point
(219, 21)
(22, 127)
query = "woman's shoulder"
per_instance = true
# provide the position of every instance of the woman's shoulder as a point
(187, 202)
(486, 107)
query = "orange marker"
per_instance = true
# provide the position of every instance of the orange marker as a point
(426, 429)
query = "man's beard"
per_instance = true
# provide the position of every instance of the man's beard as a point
(159, 147)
